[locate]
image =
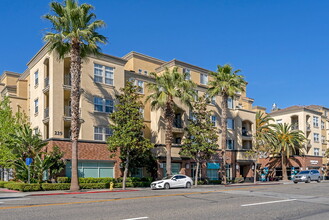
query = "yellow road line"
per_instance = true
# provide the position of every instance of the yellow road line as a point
(121, 199)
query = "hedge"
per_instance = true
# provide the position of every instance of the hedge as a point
(55, 186)
(24, 187)
(2, 184)
(137, 181)
(94, 185)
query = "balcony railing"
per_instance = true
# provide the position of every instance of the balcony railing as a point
(46, 113)
(294, 126)
(246, 133)
(67, 80)
(308, 127)
(46, 82)
(178, 123)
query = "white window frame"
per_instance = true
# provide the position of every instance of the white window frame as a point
(140, 71)
(316, 137)
(316, 151)
(232, 123)
(36, 106)
(102, 131)
(104, 105)
(105, 74)
(140, 85)
(213, 100)
(141, 110)
(146, 72)
(203, 79)
(315, 121)
(230, 103)
(322, 124)
(214, 120)
(36, 78)
(188, 76)
(279, 121)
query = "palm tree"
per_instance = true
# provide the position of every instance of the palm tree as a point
(264, 138)
(226, 83)
(288, 141)
(170, 86)
(74, 34)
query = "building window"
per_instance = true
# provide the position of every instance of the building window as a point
(36, 131)
(141, 110)
(316, 151)
(323, 139)
(279, 121)
(36, 106)
(213, 100)
(192, 116)
(316, 137)
(137, 172)
(145, 72)
(230, 123)
(103, 105)
(315, 121)
(230, 144)
(103, 74)
(203, 79)
(102, 133)
(230, 102)
(187, 73)
(140, 71)
(214, 120)
(212, 171)
(196, 96)
(140, 85)
(36, 78)
(322, 124)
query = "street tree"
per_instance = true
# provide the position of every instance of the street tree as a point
(170, 87)
(74, 34)
(288, 141)
(200, 142)
(264, 140)
(127, 125)
(226, 83)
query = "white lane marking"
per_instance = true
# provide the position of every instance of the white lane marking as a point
(136, 218)
(270, 202)
(7, 200)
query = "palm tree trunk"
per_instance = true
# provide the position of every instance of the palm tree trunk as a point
(224, 135)
(197, 173)
(75, 70)
(255, 172)
(284, 166)
(169, 120)
(125, 172)
(1, 173)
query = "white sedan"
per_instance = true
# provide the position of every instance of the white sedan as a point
(174, 181)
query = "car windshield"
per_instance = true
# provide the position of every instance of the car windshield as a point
(167, 177)
(304, 172)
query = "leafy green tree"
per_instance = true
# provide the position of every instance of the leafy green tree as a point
(74, 33)
(201, 138)
(226, 83)
(288, 141)
(58, 164)
(9, 122)
(264, 139)
(127, 124)
(170, 87)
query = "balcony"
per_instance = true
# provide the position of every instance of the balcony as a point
(46, 82)
(67, 82)
(178, 126)
(308, 127)
(294, 126)
(46, 115)
(244, 156)
(68, 115)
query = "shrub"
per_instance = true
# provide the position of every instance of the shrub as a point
(215, 181)
(63, 179)
(94, 185)
(2, 184)
(55, 186)
(96, 180)
(239, 180)
(24, 187)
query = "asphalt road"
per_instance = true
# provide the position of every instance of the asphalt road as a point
(301, 201)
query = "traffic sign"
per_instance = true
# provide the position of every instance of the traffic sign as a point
(28, 161)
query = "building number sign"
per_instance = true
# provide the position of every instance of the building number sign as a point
(59, 133)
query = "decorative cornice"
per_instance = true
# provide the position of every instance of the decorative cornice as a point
(134, 54)
(179, 63)
(9, 73)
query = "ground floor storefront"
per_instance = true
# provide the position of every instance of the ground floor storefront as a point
(295, 164)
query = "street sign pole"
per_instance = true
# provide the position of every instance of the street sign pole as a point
(28, 178)
(28, 162)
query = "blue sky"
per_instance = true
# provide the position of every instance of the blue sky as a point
(281, 46)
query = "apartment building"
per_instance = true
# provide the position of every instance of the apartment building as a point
(313, 122)
(43, 92)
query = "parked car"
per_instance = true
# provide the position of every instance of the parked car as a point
(175, 181)
(307, 176)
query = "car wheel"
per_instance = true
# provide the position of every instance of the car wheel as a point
(295, 182)
(319, 179)
(308, 180)
(188, 185)
(166, 186)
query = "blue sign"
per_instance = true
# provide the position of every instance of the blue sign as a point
(28, 161)
(213, 166)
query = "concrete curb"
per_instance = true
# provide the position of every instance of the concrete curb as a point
(252, 184)
(74, 193)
